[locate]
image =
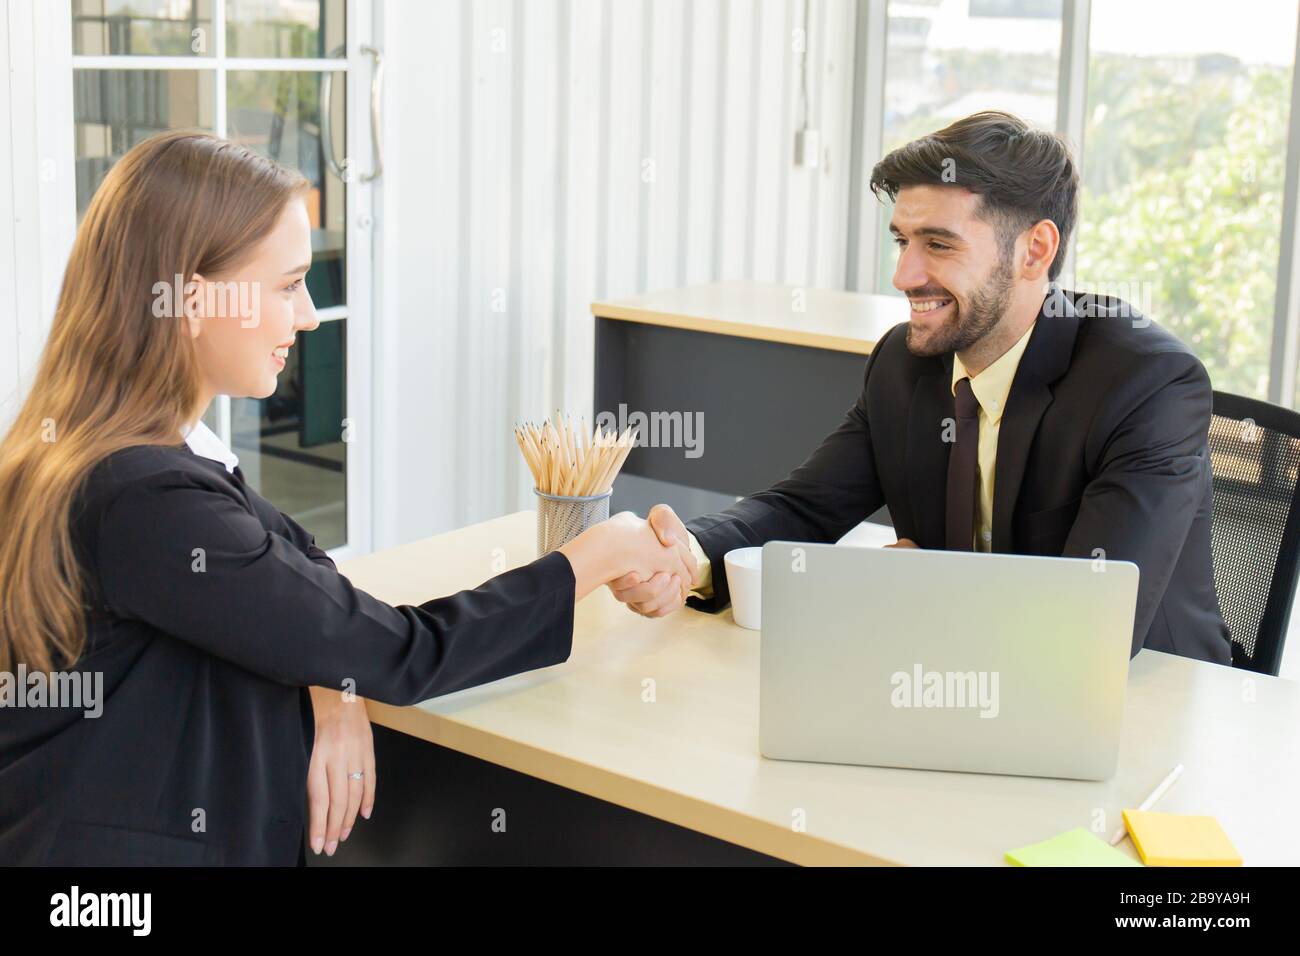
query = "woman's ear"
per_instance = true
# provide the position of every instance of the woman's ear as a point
(195, 290)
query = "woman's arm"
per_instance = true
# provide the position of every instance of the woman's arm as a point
(189, 559)
(304, 540)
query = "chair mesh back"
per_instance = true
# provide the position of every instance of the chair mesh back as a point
(1255, 475)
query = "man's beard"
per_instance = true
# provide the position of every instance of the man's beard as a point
(967, 326)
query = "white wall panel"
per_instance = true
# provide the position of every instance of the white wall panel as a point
(546, 153)
(36, 208)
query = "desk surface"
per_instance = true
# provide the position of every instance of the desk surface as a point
(818, 318)
(691, 756)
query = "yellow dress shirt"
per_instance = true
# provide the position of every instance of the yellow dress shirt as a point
(991, 388)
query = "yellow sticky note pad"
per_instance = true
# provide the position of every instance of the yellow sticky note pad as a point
(1176, 839)
(1075, 847)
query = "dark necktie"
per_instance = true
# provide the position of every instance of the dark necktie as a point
(963, 462)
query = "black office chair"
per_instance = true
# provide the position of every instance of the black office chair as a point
(1255, 459)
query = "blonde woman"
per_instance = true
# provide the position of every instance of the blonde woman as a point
(219, 635)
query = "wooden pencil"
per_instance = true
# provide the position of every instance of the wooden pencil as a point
(568, 460)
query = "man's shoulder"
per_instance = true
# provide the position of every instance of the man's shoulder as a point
(1123, 360)
(1114, 328)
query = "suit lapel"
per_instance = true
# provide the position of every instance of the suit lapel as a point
(1047, 356)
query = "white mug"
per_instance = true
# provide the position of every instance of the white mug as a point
(745, 581)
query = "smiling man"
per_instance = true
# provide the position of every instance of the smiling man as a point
(1006, 414)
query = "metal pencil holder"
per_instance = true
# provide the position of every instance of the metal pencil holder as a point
(560, 519)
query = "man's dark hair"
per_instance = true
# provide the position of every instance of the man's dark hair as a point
(1023, 174)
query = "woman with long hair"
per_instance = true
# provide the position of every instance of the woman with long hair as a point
(177, 657)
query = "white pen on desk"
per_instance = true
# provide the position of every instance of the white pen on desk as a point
(1150, 801)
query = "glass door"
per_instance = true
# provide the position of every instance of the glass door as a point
(289, 79)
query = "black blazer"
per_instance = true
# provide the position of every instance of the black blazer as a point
(1103, 445)
(206, 717)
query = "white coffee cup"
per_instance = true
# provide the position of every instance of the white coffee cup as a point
(745, 581)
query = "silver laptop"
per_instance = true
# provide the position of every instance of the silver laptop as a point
(942, 660)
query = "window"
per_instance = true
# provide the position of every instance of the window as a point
(946, 59)
(141, 27)
(271, 74)
(1184, 165)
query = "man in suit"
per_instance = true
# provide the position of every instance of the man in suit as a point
(1006, 415)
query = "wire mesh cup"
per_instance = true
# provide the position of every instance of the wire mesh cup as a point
(560, 519)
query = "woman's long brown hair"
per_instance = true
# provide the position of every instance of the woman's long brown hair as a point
(113, 373)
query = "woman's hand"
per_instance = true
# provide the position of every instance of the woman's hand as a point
(343, 746)
(648, 554)
(658, 595)
(626, 544)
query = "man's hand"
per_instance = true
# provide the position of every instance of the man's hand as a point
(661, 594)
(903, 543)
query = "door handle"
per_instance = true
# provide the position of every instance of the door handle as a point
(376, 113)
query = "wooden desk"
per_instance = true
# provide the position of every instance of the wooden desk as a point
(815, 318)
(769, 370)
(691, 757)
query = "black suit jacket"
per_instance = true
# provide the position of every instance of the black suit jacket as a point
(1102, 451)
(206, 718)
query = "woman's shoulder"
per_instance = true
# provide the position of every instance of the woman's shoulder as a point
(139, 467)
(130, 488)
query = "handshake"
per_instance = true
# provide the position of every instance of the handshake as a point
(660, 568)
(648, 564)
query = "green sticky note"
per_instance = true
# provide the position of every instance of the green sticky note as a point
(1077, 847)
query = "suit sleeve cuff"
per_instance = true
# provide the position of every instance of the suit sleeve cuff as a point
(705, 587)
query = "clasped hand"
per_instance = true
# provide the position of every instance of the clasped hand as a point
(660, 592)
